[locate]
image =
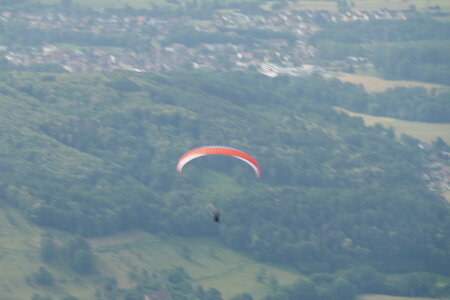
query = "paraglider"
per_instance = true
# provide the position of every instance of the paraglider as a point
(214, 212)
(216, 215)
(218, 150)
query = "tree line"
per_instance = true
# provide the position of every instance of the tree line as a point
(415, 49)
(94, 154)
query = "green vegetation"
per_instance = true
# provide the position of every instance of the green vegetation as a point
(413, 104)
(123, 260)
(413, 29)
(210, 263)
(26, 275)
(425, 132)
(341, 209)
(423, 61)
(94, 154)
(20, 35)
(375, 84)
(415, 49)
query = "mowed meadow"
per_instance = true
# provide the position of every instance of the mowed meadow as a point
(20, 256)
(426, 132)
(377, 85)
(208, 262)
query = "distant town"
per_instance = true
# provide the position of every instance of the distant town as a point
(274, 44)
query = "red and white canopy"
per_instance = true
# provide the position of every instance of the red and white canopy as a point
(218, 150)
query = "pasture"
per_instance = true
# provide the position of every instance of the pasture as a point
(208, 261)
(447, 195)
(20, 256)
(377, 85)
(426, 132)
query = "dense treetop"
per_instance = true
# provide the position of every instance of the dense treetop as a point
(96, 153)
(415, 49)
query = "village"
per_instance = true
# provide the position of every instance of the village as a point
(104, 41)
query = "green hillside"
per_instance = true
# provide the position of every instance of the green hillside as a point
(20, 256)
(95, 155)
(210, 263)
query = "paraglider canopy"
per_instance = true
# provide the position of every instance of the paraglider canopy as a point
(218, 150)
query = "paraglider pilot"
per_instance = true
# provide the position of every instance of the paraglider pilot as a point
(216, 215)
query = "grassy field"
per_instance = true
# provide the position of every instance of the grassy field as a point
(376, 84)
(207, 260)
(447, 196)
(19, 255)
(426, 132)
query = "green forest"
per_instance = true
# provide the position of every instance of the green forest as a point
(344, 204)
(412, 104)
(415, 49)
